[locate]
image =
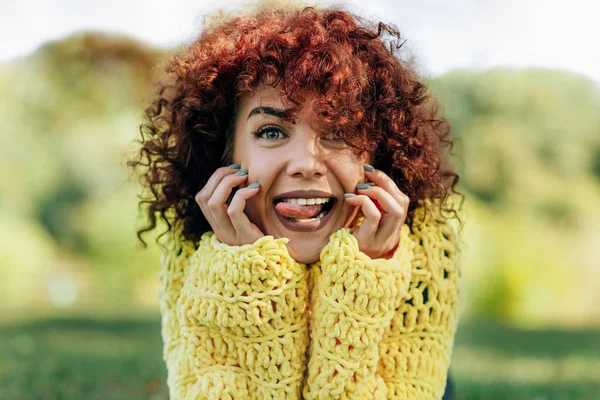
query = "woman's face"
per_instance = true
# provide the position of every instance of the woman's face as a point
(289, 160)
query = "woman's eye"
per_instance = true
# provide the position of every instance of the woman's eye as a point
(269, 133)
(335, 137)
(272, 134)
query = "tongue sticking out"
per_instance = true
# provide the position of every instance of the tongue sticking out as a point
(297, 211)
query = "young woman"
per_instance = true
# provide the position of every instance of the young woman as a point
(297, 163)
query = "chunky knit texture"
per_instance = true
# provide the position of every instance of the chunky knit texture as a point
(249, 322)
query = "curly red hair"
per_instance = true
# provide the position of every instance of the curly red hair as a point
(365, 93)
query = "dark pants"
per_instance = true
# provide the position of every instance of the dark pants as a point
(449, 393)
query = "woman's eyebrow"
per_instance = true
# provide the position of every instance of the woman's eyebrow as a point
(279, 113)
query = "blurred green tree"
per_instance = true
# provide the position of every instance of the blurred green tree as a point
(529, 141)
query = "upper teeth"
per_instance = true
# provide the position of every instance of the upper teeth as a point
(304, 202)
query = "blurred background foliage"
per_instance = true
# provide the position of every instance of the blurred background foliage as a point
(528, 145)
(71, 112)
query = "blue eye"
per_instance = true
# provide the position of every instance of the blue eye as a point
(269, 133)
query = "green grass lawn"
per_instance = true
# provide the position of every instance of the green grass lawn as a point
(72, 359)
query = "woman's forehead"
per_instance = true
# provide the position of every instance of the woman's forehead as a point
(272, 101)
(263, 96)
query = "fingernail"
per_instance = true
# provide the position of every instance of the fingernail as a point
(368, 167)
(254, 185)
(242, 172)
(235, 166)
(363, 186)
(347, 195)
(370, 183)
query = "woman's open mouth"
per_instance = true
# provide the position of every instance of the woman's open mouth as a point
(304, 214)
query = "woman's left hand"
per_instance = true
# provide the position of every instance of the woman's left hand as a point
(385, 208)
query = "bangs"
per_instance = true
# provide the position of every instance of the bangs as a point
(308, 59)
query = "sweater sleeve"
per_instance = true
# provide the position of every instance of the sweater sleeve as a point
(233, 323)
(414, 354)
(354, 298)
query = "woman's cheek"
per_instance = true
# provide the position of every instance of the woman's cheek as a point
(252, 212)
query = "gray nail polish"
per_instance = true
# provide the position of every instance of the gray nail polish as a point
(242, 172)
(368, 167)
(254, 185)
(363, 186)
(235, 166)
(347, 195)
(370, 183)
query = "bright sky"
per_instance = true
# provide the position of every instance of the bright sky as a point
(443, 34)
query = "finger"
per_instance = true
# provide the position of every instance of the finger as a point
(224, 189)
(394, 213)
(381, 179)
(388, 204)
(369, 225)
(217, 205)
(208, 189)
(245, 230)
(213, 207)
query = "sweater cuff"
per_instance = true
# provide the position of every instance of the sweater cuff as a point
(242, 271)
(253, 289)
(370, 287)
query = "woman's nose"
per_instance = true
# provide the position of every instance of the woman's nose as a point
(307, 160)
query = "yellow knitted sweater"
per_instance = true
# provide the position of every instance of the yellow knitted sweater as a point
(249, 322)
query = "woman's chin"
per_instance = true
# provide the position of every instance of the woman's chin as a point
(305, 254)
(305, 247)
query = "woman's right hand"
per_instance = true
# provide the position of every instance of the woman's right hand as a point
(228, 221)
